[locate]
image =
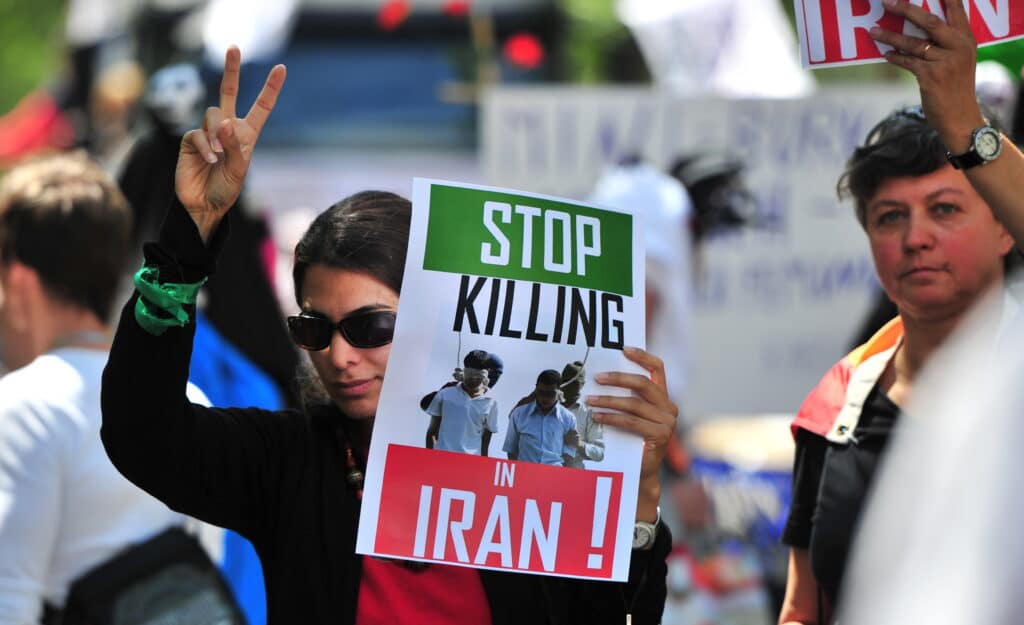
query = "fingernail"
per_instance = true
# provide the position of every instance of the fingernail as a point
(211, 158)
(629, 349)
(889, 3)
(590, 398)
(217, 147)
(601, 377)
(875, 31)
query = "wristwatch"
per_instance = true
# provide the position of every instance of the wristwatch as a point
(986, 146)
(644, 533)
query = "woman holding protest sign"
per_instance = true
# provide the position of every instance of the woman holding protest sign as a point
(291, 482)
(929, 210)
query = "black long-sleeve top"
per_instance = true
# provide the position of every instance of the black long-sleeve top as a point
(279, 478)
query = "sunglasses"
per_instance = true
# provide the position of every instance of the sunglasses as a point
(313, 331)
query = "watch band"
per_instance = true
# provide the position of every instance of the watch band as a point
(644, 533)
(973, 156)
(968, 159)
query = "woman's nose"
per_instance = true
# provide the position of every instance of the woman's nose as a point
(919, 233)
(341, 353)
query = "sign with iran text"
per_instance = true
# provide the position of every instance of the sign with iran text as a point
(835, 32)
(485, 453)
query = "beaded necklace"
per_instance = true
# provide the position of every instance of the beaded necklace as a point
(356, 476)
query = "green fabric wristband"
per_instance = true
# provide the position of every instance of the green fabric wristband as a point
(162, 305)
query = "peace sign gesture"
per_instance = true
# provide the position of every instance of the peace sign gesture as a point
(213, 160)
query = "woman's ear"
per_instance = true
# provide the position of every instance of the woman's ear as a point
(1006, 241)
(21, 291)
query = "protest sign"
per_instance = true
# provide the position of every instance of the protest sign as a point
(541, 282)
(833, 33)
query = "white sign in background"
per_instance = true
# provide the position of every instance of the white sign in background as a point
(776, 306)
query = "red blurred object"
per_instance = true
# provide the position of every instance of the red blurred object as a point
(456, 8)
(524, 50)
(34, 125)
(392, 14)
(676, 456)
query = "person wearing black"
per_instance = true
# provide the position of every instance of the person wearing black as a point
(937, 249)
(291, 481)
(947, 502)
(239, 301)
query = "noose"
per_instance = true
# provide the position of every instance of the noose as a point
(583, 367)
(457, 373)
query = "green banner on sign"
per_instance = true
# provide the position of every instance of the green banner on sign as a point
(518, 237)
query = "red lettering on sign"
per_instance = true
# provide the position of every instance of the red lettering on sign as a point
(449, 507)
(835, 32)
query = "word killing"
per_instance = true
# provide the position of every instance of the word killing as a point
(576, 311)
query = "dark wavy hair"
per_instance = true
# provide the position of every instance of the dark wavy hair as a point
(902, 145)
(366, 232)
(549, 377)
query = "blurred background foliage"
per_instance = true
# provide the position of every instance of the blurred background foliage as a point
(31, 47)
(594, 47)
(1010, 54)
(599, 48)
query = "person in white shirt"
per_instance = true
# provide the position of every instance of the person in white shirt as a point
(462, 416)
(590, 439)
(64, 234)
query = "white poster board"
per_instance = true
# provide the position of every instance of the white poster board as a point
(775, 306)
(541, 282)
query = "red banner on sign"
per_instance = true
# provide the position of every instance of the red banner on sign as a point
(835, 32)
(465, 509)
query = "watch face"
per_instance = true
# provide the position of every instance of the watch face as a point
(641, 536)
(988, 143)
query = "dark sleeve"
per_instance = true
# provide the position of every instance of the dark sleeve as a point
(520, 598)
(646, 589)
(242, 306)
(219, 465)
(808, 465)
(642, 596)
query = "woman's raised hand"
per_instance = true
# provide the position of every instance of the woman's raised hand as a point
(214, 159)
(943, 65)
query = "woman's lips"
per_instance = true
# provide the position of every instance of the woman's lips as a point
(920, 272)
(353, 389)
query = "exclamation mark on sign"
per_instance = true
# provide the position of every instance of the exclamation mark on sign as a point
(601, 496)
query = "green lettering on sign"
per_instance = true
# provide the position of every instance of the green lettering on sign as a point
(503, 235)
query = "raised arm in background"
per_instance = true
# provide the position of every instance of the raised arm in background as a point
(944, 65)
